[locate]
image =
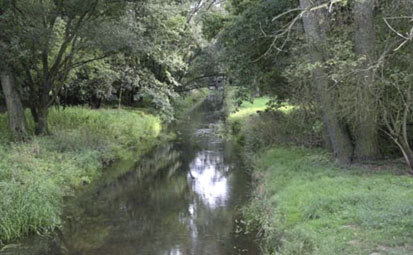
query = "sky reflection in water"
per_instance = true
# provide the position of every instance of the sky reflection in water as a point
(208, 175)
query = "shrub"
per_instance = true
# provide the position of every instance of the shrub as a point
(281, 128)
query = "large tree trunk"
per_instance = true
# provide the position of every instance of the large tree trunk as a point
(315, 26)
(366, 126)
(17, 118)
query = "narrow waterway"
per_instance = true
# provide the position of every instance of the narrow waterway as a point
(181, 198)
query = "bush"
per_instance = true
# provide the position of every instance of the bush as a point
(281, 128)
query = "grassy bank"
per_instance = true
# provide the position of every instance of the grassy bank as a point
(35, 176)
(304, 203)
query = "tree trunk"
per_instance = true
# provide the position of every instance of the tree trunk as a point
(315, 26)
(42, 127)
(366, 128)
(15, 109)
(120, 98)
(407, 154)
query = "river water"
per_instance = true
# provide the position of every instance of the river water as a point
(181, 198)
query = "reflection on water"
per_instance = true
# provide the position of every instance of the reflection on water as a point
(208, 175)
(182, 198)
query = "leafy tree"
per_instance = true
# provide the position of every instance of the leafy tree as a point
(331, 57)
(55, 35)
(316, 32)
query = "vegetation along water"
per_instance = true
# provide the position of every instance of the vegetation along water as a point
(206, 127)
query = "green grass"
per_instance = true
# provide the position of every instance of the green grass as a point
(237, 120)
(305, 204)
(36, 175)
(247, 109)
(250, 108)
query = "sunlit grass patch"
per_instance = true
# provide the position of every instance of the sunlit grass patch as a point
(250, 108)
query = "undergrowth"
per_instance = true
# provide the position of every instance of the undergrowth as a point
(255, 126)
(36, 175)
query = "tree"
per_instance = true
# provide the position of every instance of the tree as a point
(15, 110)
(17, 118)
(246, 47)
(395, 90)
(397, 117)
(366, 127)
(315, 27)
(53, 34)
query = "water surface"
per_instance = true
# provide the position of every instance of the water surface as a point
(181, 198)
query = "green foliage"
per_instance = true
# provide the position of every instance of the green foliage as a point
(304, 204)
(35, 176)
(266, 52)
(341, 63)
(212, 24)
(124, 127)
(247, 109)
(133, 53)
(186, 102)
(257, 126)
(90, 84)
(247, 53)
(294, 127)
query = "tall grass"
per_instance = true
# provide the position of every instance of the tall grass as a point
(125, 128)
(35, 176)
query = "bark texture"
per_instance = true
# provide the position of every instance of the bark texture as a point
(42, 112)
(315, 27)
(15, 110)
(366, 126)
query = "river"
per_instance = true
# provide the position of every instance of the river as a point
(181, 198)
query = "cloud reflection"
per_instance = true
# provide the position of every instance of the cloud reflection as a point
(209, 180)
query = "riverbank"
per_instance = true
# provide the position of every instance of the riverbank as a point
(35, 176)
(306, 204)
